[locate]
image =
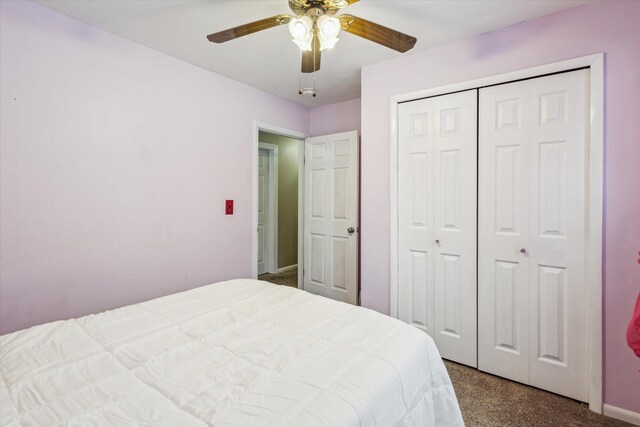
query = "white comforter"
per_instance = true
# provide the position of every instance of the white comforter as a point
(238, 353)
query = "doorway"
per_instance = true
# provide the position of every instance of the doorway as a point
(277, 208)
(267, 208)
(315, 219)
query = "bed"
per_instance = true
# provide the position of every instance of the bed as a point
(235, 353)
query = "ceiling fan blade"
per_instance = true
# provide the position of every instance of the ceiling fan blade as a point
(250, 28)
(377, 33)
(311, 58)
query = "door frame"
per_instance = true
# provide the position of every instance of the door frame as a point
(594, 236)
(300, 136)
(272, 207)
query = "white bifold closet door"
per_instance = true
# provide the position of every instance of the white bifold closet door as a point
(437, 190)
(532, 292)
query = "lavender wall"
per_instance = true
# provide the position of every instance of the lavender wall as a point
(116, 160)
(335, 118)
(610, 27)
(115, 164)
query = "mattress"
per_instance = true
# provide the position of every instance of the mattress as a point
(235, 353)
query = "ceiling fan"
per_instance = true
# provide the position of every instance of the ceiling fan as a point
(315, 28)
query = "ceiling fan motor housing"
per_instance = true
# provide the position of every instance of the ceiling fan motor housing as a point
(326, 7)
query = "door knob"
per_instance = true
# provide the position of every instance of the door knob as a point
(351, 230)
(523, 251)
(437, 242)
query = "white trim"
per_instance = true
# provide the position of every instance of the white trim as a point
(257, 127)
(393, 209)
(594, 230)
(272, 206)
(525, 73)
(594, 240)
(301, 147)
(284, 269)
(621, 414)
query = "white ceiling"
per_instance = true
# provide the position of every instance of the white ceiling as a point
(270, 61)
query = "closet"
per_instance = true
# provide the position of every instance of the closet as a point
(492, 208)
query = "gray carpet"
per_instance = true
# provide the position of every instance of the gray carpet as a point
(487, 400)
(286, 278)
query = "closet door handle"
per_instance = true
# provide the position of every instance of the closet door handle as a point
(437, 242)
(523, 251)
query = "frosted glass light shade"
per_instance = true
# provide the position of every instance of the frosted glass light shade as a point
(328, 30)
(301, 30)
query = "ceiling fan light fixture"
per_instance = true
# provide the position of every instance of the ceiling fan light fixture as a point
(329, 26)
(314, 27)
(328, 44)
(304, 45)
(328, 30)
(301, 30)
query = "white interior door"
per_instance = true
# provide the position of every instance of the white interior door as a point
(264, 211)
(437, 164)
(331, 216)
(532, 209)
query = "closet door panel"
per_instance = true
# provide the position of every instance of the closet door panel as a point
(415, 218)
(558, 289)
(532, 229)
(437, 194)
(503, 230)
(454, 214)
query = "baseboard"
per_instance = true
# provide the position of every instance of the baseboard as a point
(291, 267)
(621, 414)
